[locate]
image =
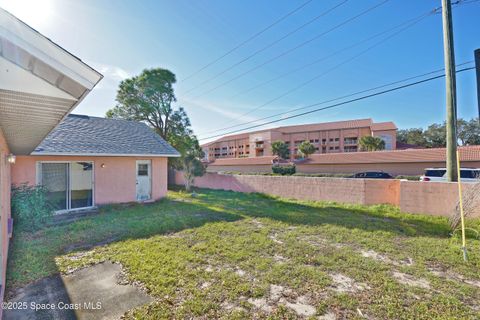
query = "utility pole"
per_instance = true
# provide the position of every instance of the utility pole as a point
(477, 66)
(452, 174)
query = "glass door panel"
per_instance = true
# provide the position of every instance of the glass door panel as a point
(55, 179)
(81, 182)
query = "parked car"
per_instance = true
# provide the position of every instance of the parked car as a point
(440, 174)
(372, 175)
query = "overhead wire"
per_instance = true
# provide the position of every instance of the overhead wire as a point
(282, 54)
(338, 104)
(241, 44)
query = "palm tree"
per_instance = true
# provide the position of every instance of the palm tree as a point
(369, 143)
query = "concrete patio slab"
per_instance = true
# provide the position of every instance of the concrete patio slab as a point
(90, 293)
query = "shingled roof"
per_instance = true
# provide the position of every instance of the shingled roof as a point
(94, 136)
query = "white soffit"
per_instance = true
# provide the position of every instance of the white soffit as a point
(14, 78)
(40, 83)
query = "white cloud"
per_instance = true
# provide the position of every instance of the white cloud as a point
(224, 111)
(112, 75)
(114, 72)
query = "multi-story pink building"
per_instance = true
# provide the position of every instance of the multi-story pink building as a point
(329, 137)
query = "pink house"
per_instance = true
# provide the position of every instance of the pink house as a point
(88, 161)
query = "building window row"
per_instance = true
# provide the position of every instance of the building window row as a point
(350, 140)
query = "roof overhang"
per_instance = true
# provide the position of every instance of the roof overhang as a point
(40, 83)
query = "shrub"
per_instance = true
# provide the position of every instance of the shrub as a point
(284, 170)
(192, 167)
(325, 175)
(30, 206)
(411, 178)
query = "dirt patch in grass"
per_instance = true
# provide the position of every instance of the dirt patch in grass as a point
(280, 295)
(385, 259)
(412, 281)
(453, 276)
(342, 283)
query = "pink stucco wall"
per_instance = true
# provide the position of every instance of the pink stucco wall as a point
(432, 198)
(439, 198)
(304, 188)
(4, 209)
(114, 183)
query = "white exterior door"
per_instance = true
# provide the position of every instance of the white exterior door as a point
(144, 180)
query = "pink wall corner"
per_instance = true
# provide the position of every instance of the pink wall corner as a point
(115, 177)
(5, 214)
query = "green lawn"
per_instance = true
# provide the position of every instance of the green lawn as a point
(235, 256)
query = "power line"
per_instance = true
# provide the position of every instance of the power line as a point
(284, 53)
(409, 23)
(271, 44)
(339, 104)
(241, 44)
(344, 97)
(327, 57)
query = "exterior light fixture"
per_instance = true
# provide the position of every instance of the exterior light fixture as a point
(11, 158)
(102, 165)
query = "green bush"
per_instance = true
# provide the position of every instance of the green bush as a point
(30, 206)
(325, 175)
(284, 170)
(411, 178)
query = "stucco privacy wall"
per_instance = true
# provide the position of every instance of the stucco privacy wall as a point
(304, 188)
(440, 198)
(4, 208)
(114, 183)
(433, 198)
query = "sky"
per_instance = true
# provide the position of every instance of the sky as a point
(123, 37)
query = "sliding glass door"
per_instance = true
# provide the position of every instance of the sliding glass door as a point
(81, 185)
(55, 179)
(69, 184)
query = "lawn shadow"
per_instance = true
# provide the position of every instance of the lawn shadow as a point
(32, 255)
(369, 218)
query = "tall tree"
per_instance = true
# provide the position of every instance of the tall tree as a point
(369, 143)
(412, 136)
(436, 135)
(280, 149)
(470, 133)
(149, 97)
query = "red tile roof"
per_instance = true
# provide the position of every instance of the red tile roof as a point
(349, 124)
(381, 126)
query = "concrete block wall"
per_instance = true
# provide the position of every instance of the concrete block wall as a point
(432, 198)
(303, 188)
